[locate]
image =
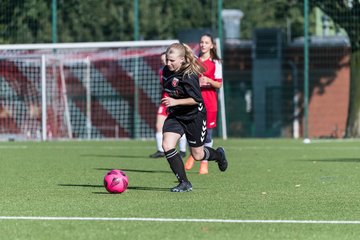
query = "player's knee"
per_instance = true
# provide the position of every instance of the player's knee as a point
(198, 156)
(166, 146)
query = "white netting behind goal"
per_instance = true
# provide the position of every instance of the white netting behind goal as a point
(80, 91)
(20, 98)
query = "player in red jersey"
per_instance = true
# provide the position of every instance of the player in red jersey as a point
(160, 119)
(210, 81)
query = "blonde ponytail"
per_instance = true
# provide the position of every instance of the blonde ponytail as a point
(191, 65)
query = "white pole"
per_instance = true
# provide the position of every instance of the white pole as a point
(296, 124)
(153, 43)
(222, 98)
(88, 98)
(43, 97)
(64, 95)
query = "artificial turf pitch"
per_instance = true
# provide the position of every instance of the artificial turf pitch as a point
(273, 189)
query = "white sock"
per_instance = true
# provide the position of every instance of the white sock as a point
(182, 143)
(159, 138)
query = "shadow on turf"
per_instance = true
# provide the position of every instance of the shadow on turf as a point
(340, 160)
(140, 189)
(101, 186)
(80, 185)
(112, 156)
(135, 170)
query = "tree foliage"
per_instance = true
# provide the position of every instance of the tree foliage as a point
(346, 14)
(30, 21)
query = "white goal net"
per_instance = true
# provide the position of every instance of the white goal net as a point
(80, 90)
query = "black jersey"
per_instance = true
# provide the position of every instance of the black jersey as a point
(178, 86)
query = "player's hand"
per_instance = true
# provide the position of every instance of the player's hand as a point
(168, 101)
(204, 81)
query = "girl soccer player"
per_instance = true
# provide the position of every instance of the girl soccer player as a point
(187, 114)
(160, 119)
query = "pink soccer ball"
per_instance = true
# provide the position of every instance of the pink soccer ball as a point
(116, 181)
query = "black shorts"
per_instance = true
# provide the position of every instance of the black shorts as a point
(194, 130)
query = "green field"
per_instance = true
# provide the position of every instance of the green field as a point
(57, 188)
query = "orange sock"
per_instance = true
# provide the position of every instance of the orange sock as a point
(204, 167)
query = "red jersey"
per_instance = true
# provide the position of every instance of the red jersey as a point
(209, 94)
(162, 109)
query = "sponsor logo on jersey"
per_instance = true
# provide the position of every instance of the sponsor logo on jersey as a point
(174, 82)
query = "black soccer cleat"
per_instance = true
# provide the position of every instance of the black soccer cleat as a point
(222, 162)
(157, 154)
(182, 187)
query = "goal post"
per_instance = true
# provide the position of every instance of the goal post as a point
(43, 97)
(81, 90)
(64, 97)
(221, 97)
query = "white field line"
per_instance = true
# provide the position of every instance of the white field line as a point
(177, 220)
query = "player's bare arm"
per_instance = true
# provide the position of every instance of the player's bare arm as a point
(170, 102)
(208, 82)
